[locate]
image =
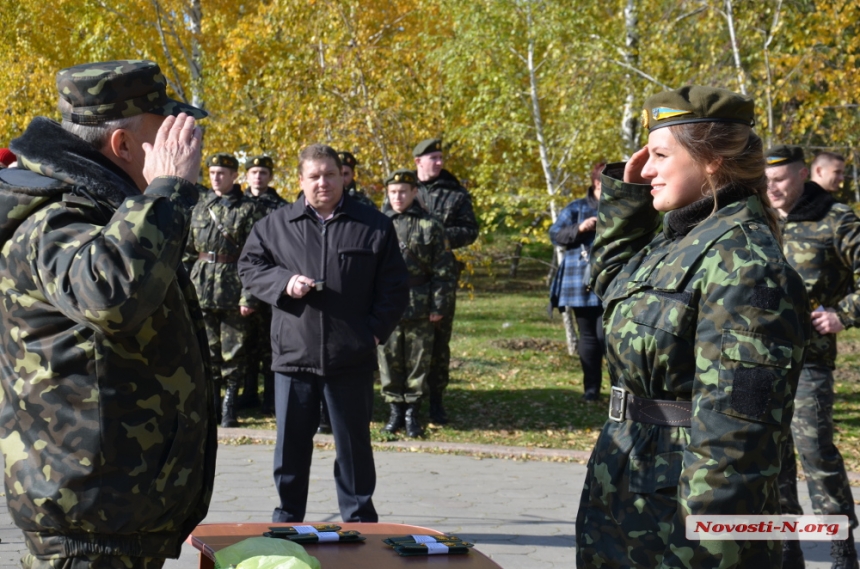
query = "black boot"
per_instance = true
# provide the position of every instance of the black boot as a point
(437, 411)
(249, 398)
(325, 423)
(397, 418)
(413, 423)
(228, 408)
(792, 555)
(843, 553)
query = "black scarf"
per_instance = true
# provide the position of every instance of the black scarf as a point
(678, 223)
(814, 203)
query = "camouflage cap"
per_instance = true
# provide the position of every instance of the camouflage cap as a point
(402, 177)
(783, 154)
(347, 159)
(224, 160)
(695, 103)
(111, 90)
(262, 161)
(427, 146)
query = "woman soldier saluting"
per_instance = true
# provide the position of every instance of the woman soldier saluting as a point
(705, 329)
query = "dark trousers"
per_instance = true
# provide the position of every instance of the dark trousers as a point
(438, 375)
(297, 409)
(589, 323)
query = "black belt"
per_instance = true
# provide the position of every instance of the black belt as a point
(213, 257)
(418, 281)
(624, 405)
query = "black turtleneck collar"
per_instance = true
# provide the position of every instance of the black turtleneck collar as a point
(230, 198)
(679, 222)
(812, 205)
(414, 209)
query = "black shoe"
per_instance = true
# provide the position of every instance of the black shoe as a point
(792, 555)
(843, 553)
(590, 396)
(228, 408)
(413, 423)
(324, 429)
(437, 411)
(397, 419)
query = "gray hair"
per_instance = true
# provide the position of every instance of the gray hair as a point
(96, 135)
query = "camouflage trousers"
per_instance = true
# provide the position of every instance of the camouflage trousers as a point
(812, 434)
(404, 361)
(92, 561)
(227, 332)
(259, 347)
(440, 362)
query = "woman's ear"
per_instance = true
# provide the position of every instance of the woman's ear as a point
(711, 168)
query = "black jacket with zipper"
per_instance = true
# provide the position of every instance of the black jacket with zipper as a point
(328, 332)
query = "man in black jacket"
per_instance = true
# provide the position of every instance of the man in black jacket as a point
(333, 272)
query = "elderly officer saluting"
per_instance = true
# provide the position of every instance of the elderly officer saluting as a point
(821, 239)
(259, 170)
(106, 420)
(449, 202)
(332, 271)
(220, 224)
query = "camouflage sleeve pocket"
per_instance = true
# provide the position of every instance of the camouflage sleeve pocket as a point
(651, 473)
(753, 370)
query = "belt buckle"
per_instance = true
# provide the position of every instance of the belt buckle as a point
(212, 256)
(617, 404)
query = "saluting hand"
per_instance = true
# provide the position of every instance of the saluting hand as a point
(634, 166)
(176, 150)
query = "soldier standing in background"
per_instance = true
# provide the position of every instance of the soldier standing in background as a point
(220, 224)
(449, 202)
(260, 171)
(349, 187)
(828, 170)
(821, 240)
(404, 358)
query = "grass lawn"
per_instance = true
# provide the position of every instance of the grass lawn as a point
(512, 382)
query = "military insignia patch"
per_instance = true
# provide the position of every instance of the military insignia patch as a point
(773, 160)
(663, 113)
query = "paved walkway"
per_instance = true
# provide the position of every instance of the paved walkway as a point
(518, 512)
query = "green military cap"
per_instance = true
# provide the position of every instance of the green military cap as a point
(347, 159)
(427, 146)
(402, 177)
(223, 159)
(262, 161)
(111, 90)
(694, 103)
(783, 154)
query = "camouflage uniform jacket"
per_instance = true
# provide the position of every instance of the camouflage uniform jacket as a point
(218, 284)
(428, 258)
(267, 201)
(706, 310)
(352, 191)
(821, 240)
(106, 402)
(450, 203)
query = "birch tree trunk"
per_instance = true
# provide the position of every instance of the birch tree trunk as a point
(629, 120)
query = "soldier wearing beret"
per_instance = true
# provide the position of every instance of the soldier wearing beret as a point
(348, 164)
(106, 421)
(821, 240)
(220, 224)
(405, 358)
(705, 332)
(449, 202)
(259, 170)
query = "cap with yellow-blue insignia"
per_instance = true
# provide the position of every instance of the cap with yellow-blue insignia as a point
(694, 103)
(224, 160)
(347, 159)
(427, 146)
(783, 154)
(402, 177)
(261, 161)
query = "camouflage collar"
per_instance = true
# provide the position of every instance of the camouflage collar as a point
(814, 203)
(680, 222)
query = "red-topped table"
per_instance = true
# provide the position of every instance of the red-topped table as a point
(370, 554)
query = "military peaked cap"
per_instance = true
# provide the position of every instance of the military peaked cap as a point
(402, 177)
(262, 161)
(783, 154)
(347, 159)
(111, 90)
(427, 146)
(694, 103)
(223, 159)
